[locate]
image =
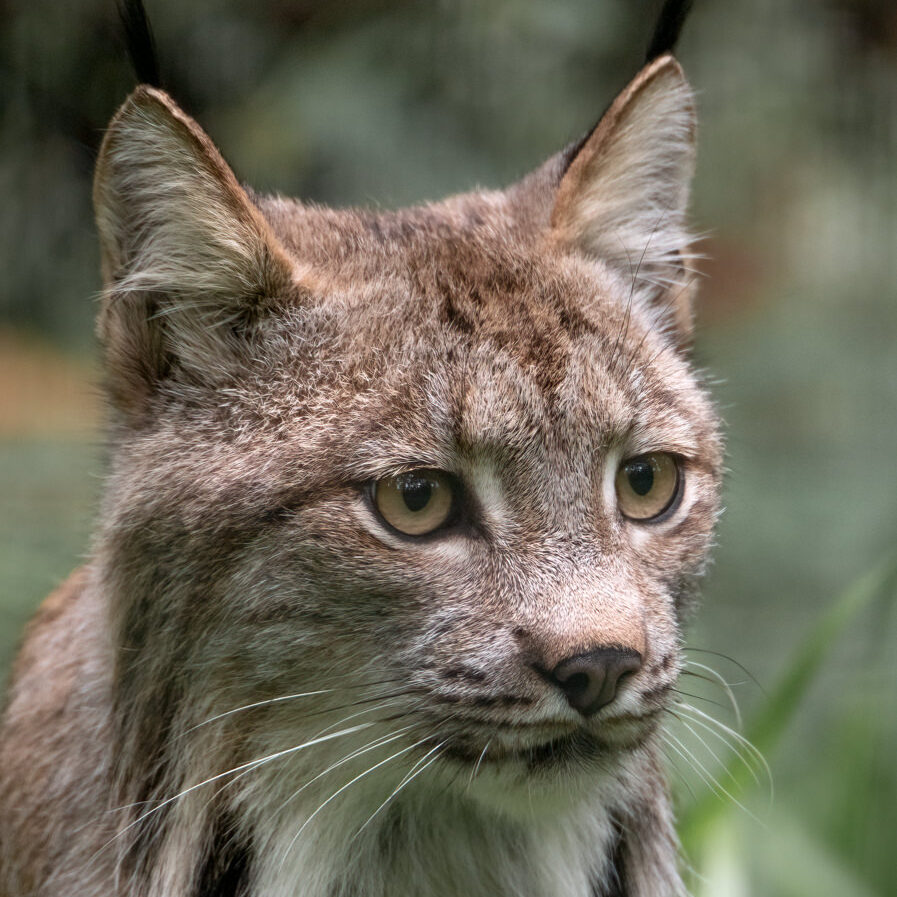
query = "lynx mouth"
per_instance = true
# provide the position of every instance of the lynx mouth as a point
(548, 754)
(577, 747)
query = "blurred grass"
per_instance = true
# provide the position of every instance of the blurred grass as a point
(49, 490)
(49, 483)
(714, 822)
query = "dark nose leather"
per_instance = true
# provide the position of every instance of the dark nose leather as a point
(589, 681)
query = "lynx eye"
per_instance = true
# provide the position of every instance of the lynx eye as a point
(415, 503)
(647, 485)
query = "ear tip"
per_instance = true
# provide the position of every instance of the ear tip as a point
(665, 76)
(136, 105)
(666, 66)
(147, 110)
(145, 97)
(145, 93)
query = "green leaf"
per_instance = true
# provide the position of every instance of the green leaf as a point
(765, 732)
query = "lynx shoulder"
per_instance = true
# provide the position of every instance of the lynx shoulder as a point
(404, 513)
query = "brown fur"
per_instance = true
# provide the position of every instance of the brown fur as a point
(266, 360)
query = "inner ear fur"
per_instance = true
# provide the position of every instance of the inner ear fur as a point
(624, 195)
(189, 263)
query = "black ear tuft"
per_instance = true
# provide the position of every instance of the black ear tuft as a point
(139, 39)
(666, 31)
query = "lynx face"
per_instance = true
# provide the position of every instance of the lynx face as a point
(402, 503)
(404, 513)
(501, 392)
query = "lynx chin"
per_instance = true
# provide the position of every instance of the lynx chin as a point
(403, 516)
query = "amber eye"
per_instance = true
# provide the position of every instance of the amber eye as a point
(415, 503)
(647, 485)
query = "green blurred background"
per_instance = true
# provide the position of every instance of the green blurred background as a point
(385, 102)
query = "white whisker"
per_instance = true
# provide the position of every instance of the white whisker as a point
(476, 768)
(747, 759)
(304, 694)
(687, 722)
(377, 742)
(353, 755)
(726, 687)
(671, 762)
(748, 745)
(251, 764)
(710, 780)
(281, 699)
(343, 788)
(412, 774)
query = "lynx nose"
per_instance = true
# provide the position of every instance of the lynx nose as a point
(589, 681)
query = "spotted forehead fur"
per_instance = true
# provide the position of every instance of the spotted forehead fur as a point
(465, 305)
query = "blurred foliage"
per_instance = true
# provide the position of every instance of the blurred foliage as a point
(394, 101)
(710, 824)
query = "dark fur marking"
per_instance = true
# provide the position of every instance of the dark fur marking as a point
(574, 321)
(513, 701)
(227, 865)
(573, 150)
(616, 880)
(683, 591)
(456, 317)
(665, 397)
(448, 699)
(657, 693)
(485, 701)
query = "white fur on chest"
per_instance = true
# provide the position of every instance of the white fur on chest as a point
(434, 843)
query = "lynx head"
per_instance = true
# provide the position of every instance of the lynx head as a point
(451, 461)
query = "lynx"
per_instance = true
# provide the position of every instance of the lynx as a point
(404, 514)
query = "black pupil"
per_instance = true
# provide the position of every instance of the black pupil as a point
(641, 476)
(416, 492)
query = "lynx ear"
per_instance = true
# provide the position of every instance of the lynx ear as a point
(188, 261)
(623, 197)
